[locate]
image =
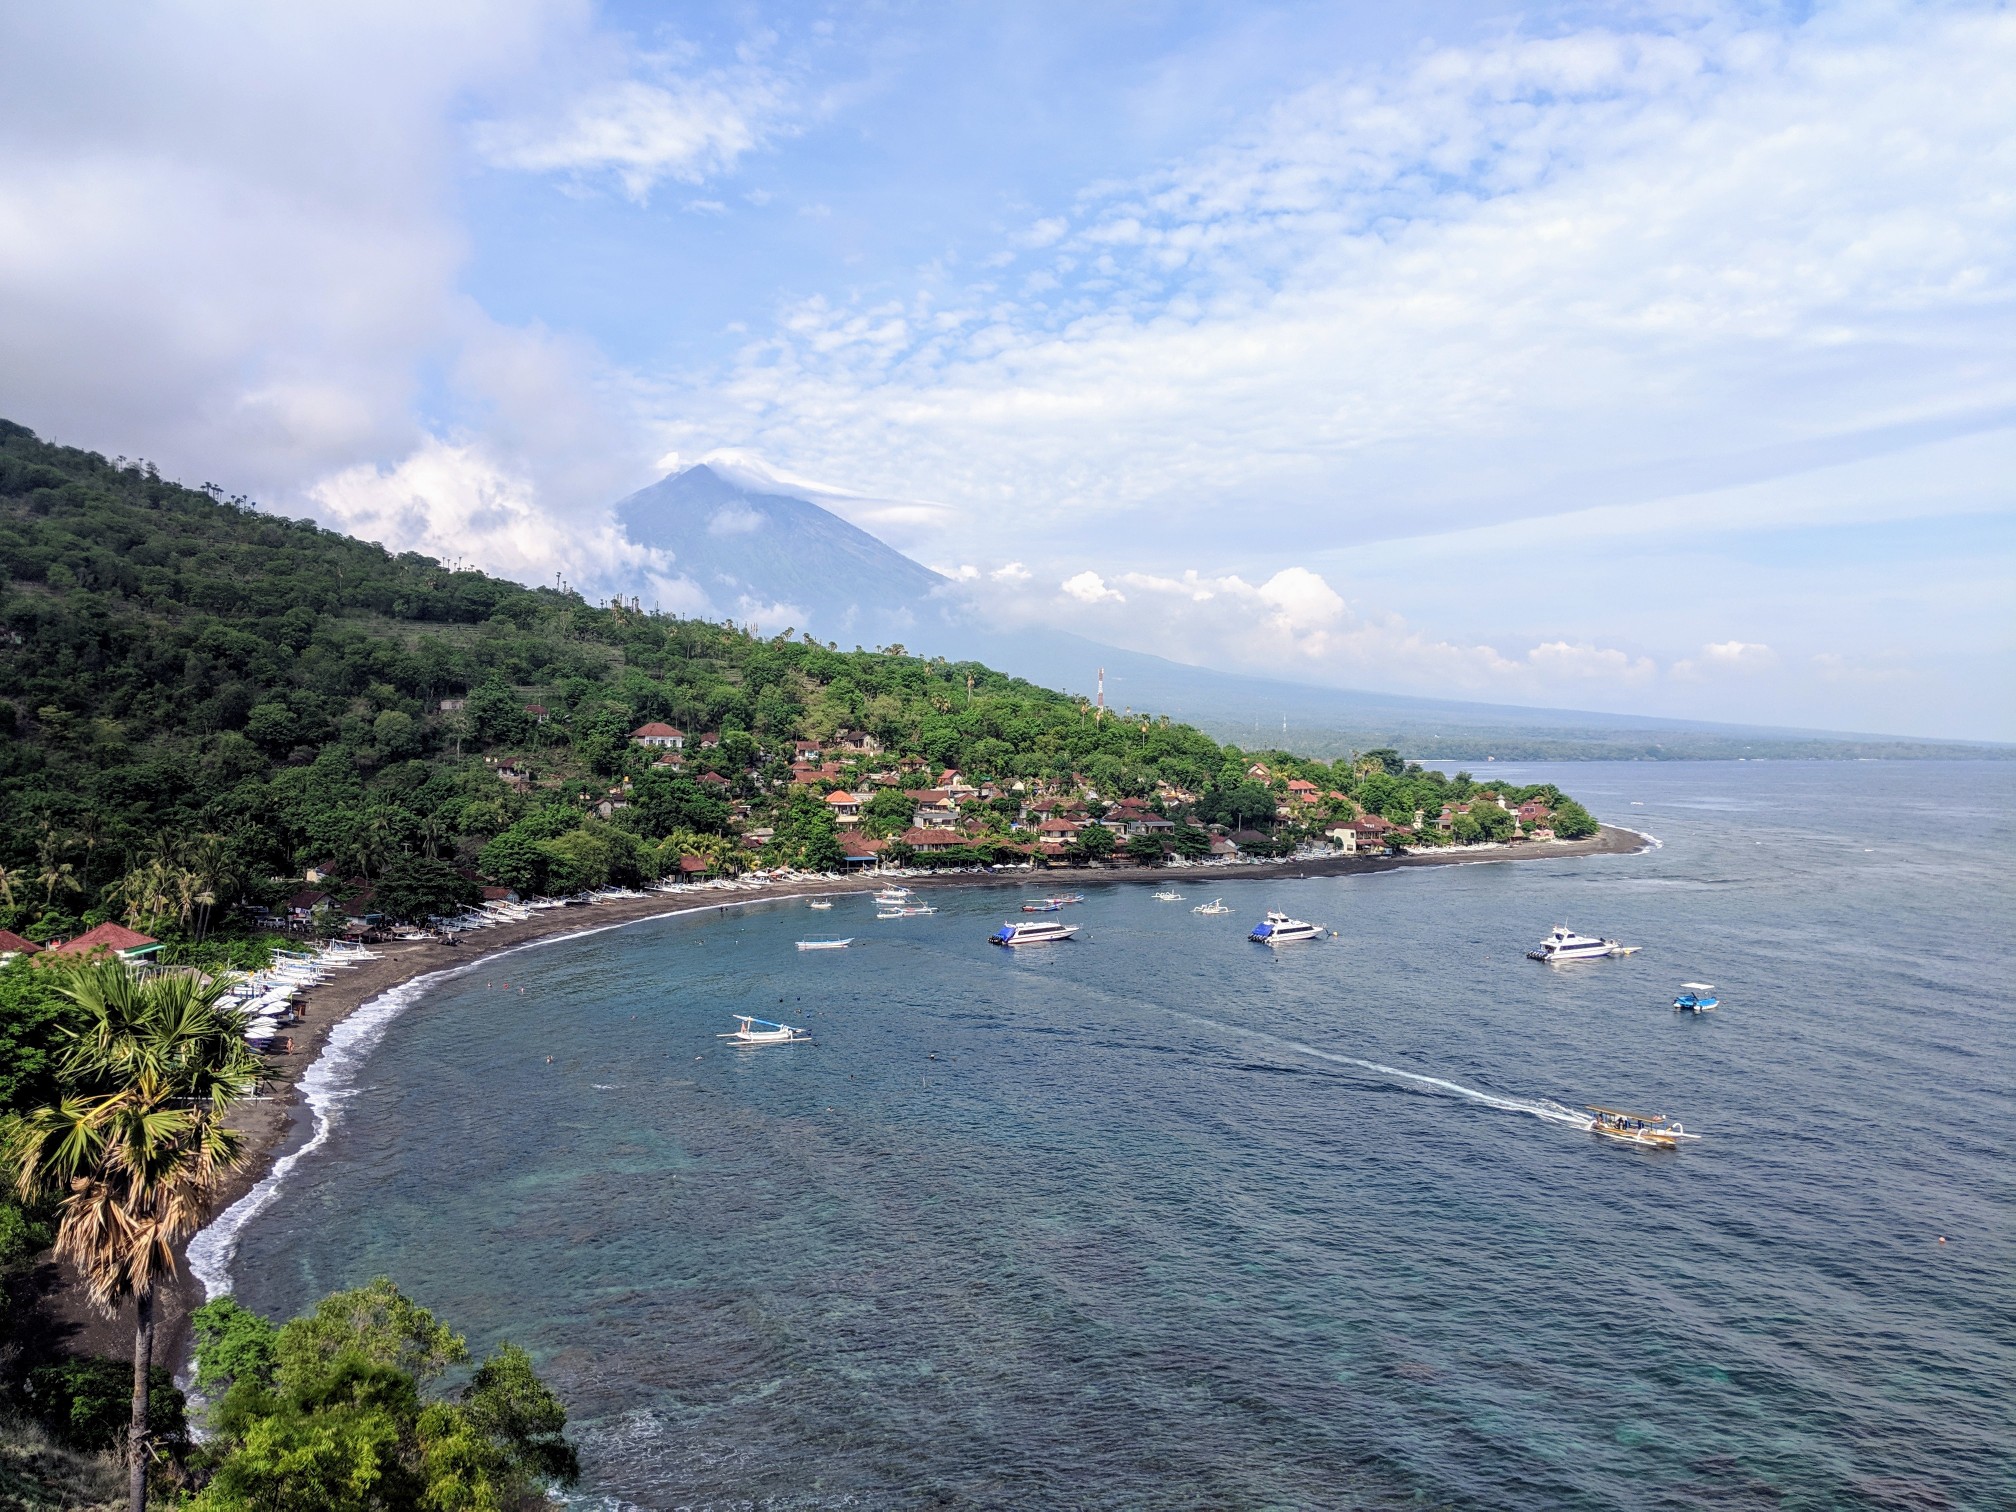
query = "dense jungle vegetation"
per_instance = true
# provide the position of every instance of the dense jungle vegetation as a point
(199, 699)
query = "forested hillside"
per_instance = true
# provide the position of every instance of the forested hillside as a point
(199, 700)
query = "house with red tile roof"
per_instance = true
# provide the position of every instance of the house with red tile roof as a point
(12, 945)
(933, 839)
(111, 939)
(859, 850)
(844, 806)
(660, 735)
(1304, 792)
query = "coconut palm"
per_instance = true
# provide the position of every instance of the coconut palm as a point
(135, 1147)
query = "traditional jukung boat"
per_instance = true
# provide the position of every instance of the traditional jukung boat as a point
(1046, 905)
(1168, 895)
(1650, 1130)
(826, 944)
(1215, 906)
(768, 1033)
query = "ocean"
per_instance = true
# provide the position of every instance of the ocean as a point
(1164, 1219)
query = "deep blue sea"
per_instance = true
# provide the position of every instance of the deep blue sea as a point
(1162, 1219)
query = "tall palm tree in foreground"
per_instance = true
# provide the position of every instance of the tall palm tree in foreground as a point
(136, 1145)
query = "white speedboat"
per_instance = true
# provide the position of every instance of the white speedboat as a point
(755, 1031)
(1215, 906)
(1032, 932)
(826, 944)
(1279, 929)
(1566, 945)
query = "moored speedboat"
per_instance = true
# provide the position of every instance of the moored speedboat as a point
(1033, 932)
(1649, 1130)
(1697, 997)
(769, 1033)
(1566, 945)
(1278, 929)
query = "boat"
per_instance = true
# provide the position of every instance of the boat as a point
(1697, 997)
(826, 944)
(1279, 929)
(1047, 905)
(1651, 1130)
(770, 1034)
(1168, 895)
(1060, 899)
(1215, 906)
(906, 911)
(820, 903)
(1035, 932)
(1566, 945)
(892, 895)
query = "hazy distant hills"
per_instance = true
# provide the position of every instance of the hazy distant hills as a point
(750, 551)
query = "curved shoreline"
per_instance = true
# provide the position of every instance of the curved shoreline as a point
(307, 1087)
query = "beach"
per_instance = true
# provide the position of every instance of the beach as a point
(280, 1122)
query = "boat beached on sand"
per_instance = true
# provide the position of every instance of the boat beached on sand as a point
(769, 1033)
(1648, 1130)
(1566, 945)
(1033, 932)
(1278, 929)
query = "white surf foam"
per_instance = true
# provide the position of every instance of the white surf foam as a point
(326, 1084)
(1543, 1108)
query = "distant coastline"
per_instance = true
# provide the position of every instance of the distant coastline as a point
(284, 1122)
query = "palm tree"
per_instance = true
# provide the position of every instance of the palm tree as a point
(135, 1146)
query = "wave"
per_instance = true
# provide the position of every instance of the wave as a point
(1543, 1108)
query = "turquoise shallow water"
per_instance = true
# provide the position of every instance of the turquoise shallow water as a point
(1164, 1219)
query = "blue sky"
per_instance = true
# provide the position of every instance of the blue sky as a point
(1654, 358)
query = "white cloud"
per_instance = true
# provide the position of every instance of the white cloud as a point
(1089, 588)
(1496, 282)
(1010, 572)
(642, 132)
(734, 519)
(457, 503)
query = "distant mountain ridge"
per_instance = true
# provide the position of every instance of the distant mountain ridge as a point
(780, 560)
(754, 552)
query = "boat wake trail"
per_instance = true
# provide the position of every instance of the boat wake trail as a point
(1543, 1108)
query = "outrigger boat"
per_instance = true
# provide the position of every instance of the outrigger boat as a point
(1215, 906)
(1046, 905)
(892, 895)
(907, 911)
(1060, 899)
(826, 944)
(1650, 1130)
(820, 903)
(1697, 997)
(1169, 895)
(770, 1034)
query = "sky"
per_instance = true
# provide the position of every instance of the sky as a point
(1650, 358)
